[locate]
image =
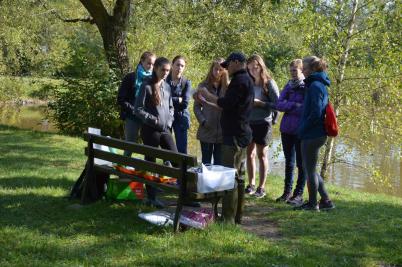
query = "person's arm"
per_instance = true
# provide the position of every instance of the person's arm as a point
(197, 108)
(184, 100)
(316, 98)
(171, 112)
(285, 105)
(231, 98)
(123, 92)
(140, 110)
(273, 95)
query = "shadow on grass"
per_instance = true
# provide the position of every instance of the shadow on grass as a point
(352, 234)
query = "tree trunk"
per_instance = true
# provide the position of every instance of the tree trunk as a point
(113, 31)
(329, 145)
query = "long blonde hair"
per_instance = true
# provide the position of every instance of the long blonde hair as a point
(223, 80)
(264, 74)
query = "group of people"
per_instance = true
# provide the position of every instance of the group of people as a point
(236, 106)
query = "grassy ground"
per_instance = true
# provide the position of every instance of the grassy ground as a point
(39, 227)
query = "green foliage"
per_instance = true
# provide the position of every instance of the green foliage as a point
(83, 103)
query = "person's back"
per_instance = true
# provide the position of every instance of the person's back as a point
(236, 108)
(315, 101)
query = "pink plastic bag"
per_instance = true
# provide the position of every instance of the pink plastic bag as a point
(197, 218)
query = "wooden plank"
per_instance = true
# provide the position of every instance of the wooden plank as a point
(150, 151)
(128, 178)
(138, 164)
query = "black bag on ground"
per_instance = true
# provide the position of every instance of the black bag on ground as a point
(94, 189)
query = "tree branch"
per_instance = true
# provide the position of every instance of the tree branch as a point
(97, 11)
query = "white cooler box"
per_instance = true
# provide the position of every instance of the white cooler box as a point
(215, 178)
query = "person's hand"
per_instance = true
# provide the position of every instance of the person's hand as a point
(258, 103)
(180, 99)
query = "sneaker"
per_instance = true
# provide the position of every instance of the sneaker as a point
(250, 189)
(285, 196)
(326, 205)
(307, 206)
(259, 193)
(295, 200)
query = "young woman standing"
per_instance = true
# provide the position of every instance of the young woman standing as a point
(181, 92)
(209, 130)
(266, 95)
(312, 132)
(291, 103)
(154, 107)
(128, 91)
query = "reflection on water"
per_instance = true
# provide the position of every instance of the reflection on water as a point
(346, 175)
(26, 117)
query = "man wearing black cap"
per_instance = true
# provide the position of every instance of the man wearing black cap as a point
(236, 107)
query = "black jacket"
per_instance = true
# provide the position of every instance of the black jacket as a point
(126, 96)
(236, 108)
(158, 117)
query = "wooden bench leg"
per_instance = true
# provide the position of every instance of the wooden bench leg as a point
(215, 207)
(179, 207)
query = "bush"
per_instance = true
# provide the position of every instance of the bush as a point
(84, 103)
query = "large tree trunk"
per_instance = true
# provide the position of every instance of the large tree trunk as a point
(329, 146)
(113, 31)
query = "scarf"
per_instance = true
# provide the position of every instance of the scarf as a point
(141, 74)
(296, 83)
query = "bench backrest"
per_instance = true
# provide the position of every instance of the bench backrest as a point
(182, 161)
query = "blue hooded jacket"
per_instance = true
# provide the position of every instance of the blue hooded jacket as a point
(315, 101)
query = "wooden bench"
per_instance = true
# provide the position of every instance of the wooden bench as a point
(186, 188)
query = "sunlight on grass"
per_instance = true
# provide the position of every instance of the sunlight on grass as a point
(40, 227)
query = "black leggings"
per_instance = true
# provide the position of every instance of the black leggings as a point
(155, 138)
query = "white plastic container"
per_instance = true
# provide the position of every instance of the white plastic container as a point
(215, 178)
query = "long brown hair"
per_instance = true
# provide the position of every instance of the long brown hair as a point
(210, 79)
(264, 74)
(156, 97)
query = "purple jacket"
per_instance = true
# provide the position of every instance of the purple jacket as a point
(287, 101)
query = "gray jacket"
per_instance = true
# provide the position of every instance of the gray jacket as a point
(159, 117)
(209, 130)
(265, 114)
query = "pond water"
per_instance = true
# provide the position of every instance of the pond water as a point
(346, 175)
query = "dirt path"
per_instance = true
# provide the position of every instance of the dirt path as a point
(255, 221)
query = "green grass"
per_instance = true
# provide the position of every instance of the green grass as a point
(38, 226)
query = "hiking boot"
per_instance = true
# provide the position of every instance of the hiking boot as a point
(259, 193)
(285, 196)
(326, 205)
(250, 189)
(295, 200)
(308, 207)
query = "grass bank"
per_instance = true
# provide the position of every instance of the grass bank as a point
(38, 227)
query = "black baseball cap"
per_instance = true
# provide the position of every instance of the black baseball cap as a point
(239, 56)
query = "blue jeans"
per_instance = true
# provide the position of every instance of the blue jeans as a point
(310, 149)
(209, 149)
(180, 133)
(292, 150)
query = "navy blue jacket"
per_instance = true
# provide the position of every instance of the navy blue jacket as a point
(315, 101)
(236, 109)
(183, 90)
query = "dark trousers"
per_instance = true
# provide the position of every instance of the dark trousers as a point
(292, 150)
(208, 150)
(131, 129)
(180, 133)
(310, 149)
(233, 202)
(155, 138)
